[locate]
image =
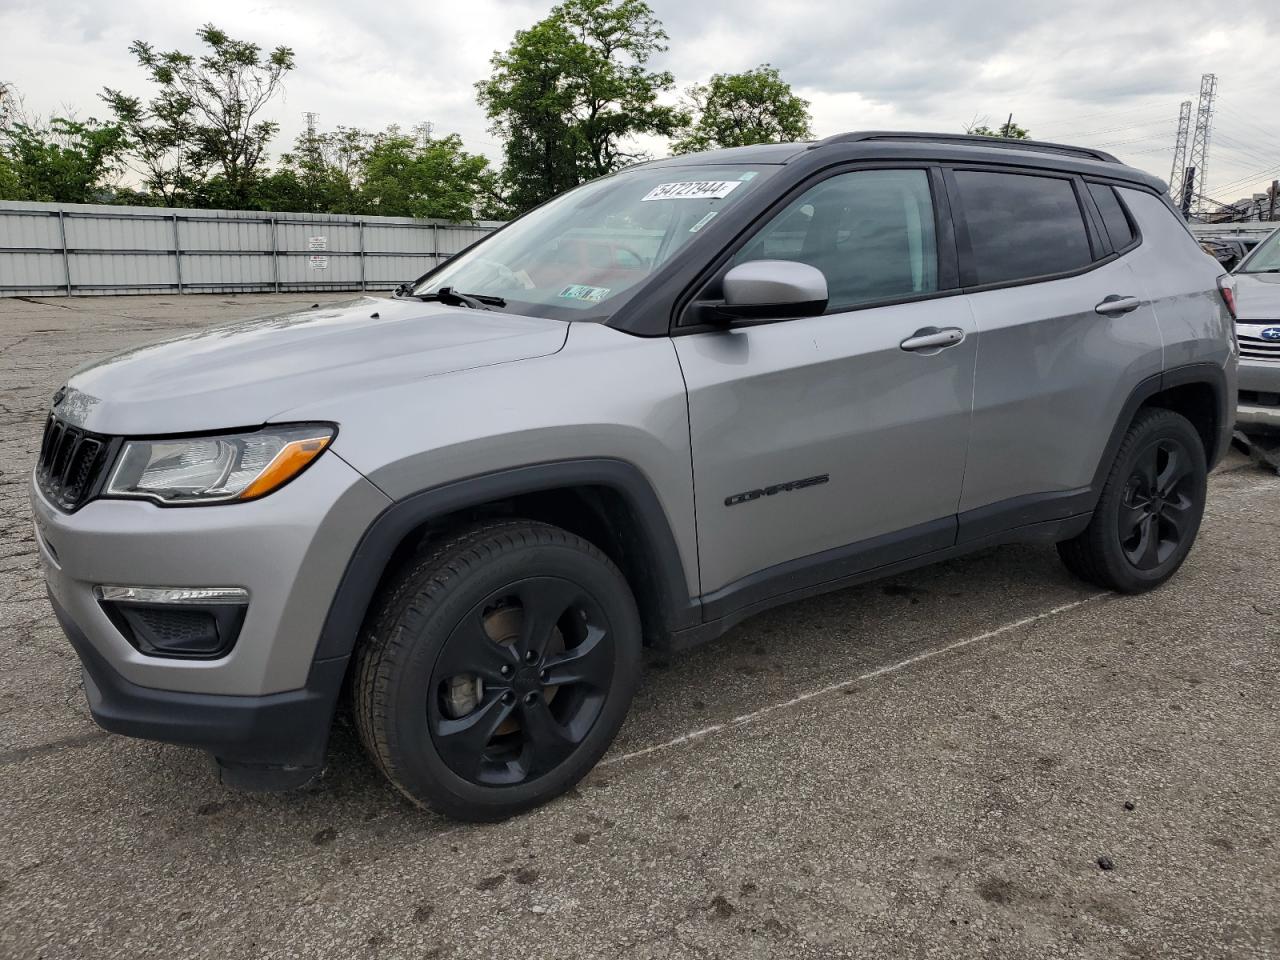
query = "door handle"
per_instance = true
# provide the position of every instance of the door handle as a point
(1115, 305)
(931, 338)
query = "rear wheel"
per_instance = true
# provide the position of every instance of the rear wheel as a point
(1150, 509)
(498, 669)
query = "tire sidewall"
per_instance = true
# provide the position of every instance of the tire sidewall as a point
(419, 768)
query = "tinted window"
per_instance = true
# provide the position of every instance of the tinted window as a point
(1113, 216)
(1021, 226)
(871, 233)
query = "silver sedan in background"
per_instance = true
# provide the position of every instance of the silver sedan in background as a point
(1256, 284)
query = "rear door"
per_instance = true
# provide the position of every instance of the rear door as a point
(1065, 332)
(810, 435)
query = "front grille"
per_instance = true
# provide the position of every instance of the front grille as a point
(71, 464)
(1255, 348)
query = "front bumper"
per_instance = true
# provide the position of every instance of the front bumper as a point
(275, 741)
(265, 703)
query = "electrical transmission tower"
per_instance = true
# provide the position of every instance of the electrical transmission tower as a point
(1199, 156)
(1179, 173)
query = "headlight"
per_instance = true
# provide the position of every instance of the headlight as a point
(215, 469)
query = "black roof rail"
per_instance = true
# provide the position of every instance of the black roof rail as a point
(968, 139)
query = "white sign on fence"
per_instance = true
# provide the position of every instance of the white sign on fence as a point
(317, 243)
(318, 263)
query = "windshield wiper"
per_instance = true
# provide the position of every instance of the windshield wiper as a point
(476, 301)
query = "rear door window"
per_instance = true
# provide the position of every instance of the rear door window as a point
(1116, 221)
(1020, 226)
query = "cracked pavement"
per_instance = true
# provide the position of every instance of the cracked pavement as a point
(939, 765)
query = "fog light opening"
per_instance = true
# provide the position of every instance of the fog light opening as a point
(183, 623)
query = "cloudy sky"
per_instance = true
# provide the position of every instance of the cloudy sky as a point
(1105, 74)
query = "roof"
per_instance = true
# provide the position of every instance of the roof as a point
(936, 146)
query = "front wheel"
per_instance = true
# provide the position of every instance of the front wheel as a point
(498, 669)
(1149, 512)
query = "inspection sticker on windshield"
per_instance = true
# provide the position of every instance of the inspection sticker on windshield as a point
(703, 222)
(693, 190)
(579, 291)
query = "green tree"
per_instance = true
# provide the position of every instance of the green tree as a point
(1008, 129)
(739, 109)
(163, 142)
(63, 161)
(569, 93)
(206, 116)
(324, 168)
(407, 176)
(8, 175)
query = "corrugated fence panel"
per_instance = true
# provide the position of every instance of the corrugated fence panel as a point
(52, 249)
(232, 236)
(386, 272)
(118, 233)
(30, 230)
(32, 274)
(326, 236)
(214, 272)
(451, 241)
(393, 238)
(103, 271)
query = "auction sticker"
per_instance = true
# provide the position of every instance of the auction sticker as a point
(693, 190)
(579, 291)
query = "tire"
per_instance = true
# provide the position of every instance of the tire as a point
(496, 669)
(1150, 508)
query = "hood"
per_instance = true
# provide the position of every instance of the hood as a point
(251, 371)
(1257, 297)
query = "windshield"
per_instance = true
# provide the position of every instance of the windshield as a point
(1265, 259)
(583, 254)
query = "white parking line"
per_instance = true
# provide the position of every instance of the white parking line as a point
(844, 684)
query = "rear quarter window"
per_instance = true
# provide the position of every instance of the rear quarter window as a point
(1114, 218)
(1020, 226)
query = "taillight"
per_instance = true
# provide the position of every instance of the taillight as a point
(1228, 295)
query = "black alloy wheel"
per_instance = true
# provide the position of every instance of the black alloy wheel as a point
(1157, 508)
(520, 681)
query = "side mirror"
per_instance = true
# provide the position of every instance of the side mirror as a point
(771, 290)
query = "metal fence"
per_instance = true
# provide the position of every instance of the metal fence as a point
(1242, 230)
(50, 249)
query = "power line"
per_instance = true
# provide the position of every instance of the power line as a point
(1129, 126)
(1235, 146)
(1238, 117)
(1264, 174)
(1110, 114)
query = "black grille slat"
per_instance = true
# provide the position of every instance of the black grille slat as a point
(66, 439)
(81, 469)
(1255, 348)
(73, 450)
(70, 465)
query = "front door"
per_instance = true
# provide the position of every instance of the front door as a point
(825, 445)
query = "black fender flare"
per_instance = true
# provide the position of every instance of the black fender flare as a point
(369, 562)
(1207, 373)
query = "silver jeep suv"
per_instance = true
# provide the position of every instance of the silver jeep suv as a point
(660, 403)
